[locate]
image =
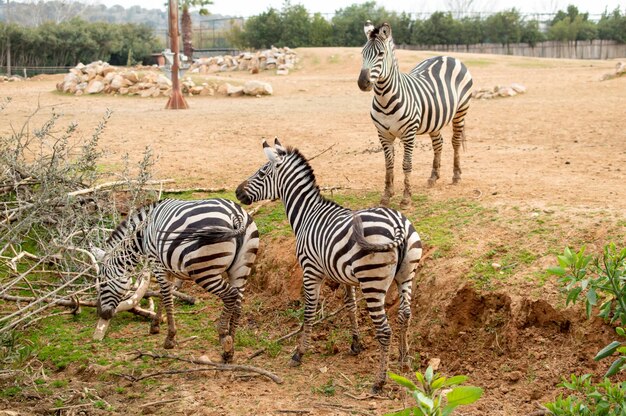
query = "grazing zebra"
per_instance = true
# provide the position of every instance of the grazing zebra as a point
(189, 240)
(435, 92)
(370, 248)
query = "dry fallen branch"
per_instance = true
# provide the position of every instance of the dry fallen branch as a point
(322, 152)
(116, 184)
(212, 365)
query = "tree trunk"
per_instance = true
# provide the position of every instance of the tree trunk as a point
(187, 33)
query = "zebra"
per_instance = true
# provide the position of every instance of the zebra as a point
(189, 240)
(435, 92)
(370, 248)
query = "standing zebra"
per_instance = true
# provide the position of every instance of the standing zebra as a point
(370, 248)
(190, 240)
(435, 92)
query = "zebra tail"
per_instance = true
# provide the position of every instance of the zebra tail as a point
(359, 237)
(212, 235)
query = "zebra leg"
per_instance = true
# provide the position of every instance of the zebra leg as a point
(312, 285)
(458, 138)
(407, 166)
(389, 156)
(230, 296)
(155, 325)
(376, 308)
(167, 302)
(404, 281)
(437, 141)
(349, 299)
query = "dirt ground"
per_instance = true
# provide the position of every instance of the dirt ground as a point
(558, 148)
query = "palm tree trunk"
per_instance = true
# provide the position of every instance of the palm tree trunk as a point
(187, 32)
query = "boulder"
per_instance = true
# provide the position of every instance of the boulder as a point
(257, 88)
(94, 87)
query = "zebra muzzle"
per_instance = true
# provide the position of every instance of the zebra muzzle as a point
(364, 80)
(242, 195)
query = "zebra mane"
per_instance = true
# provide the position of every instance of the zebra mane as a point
(292, 151)
(131, 224)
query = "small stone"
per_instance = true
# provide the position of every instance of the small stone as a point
(434, 363)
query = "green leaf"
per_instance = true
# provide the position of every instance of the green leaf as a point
(438, 383)
(588, 309)
(558, 271)
(620, 331)
(419, 377)
(572, 296)
(616, 367)
(456, 380)
(463, 395)
(426, 401)
(608, 350)
(405, 412)
(564, 261)
(428, 374)
(404, 382)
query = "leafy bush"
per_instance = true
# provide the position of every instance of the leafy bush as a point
(436, 395)
(602, 399)
(603, 281)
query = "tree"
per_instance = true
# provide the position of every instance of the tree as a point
(612, 26)
(504, 27)
(531, 33)
(296, 25)
(321, 31)
(186, 25)
(439, 29)
(263, 30)
(348, 22)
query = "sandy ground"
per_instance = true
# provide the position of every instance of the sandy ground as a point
(557, 148)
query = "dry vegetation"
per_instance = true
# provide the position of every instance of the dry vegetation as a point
(541, 171)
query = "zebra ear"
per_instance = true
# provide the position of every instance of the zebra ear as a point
(270, 152)
(279, 147)
(98, 253)
(385, 31)
(367, 28)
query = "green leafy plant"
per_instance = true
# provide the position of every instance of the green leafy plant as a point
(588, 399)
(436, 395)
(602, 280)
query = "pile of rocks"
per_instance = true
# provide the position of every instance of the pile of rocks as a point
(100, 77)
(620, 69)
(280, 59)
(499, 91)
(13, 78)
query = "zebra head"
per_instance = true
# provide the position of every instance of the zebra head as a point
(377, 54)
(263, 184)
(113, 281)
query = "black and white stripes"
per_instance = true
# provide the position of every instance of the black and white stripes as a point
(436, 92)
(190, 240)
(370, 248)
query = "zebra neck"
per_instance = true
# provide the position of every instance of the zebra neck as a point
(301, 203)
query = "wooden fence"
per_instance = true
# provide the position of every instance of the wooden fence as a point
(591, 49)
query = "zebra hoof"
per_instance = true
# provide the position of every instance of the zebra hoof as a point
(169, 343)
(377, 388)
(356, 347)
(154, 329)
(296, 360)
(405, 202)
(432, 182)
(227, 357)
(456, 181)
(384, 201)
(227, 343)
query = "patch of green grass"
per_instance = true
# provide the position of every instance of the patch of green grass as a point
(59, 383)
(478, 62)
(10, 391)
(532, 63)
(328, 389)
(272, 220)
(498, 264)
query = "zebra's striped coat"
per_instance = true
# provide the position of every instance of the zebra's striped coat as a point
(370, 248)
(189, 240)
(436, 92)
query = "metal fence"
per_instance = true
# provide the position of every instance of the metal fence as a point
(31, 71)
(592, 49)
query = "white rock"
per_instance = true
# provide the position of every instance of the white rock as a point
(257, 88)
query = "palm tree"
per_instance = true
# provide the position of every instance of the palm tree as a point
(187, 30)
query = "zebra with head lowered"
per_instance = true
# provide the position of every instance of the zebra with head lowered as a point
(436, 92)
(371, 248)
(190, 240)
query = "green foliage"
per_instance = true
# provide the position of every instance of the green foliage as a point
(73, 41)
(602, 282)
(436, 395)
(588, 399)
(328, 389)
(613, 26)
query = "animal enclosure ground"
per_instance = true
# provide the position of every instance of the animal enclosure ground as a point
(541, 171)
